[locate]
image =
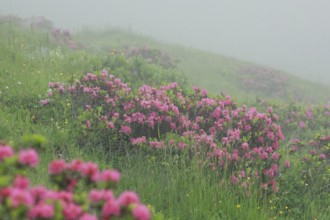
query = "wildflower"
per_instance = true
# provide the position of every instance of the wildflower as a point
(128, 197)
(156, 144)
(181, 145)
(42, 211)
(269, 109)
(5, 151)
(125, 129)
(270, 135)
(75, 165)
(20, 197)
(38, 192)
(111, 125)
(204, 93)
(89, 169)
(264, 185)
(57, 167)
(234, 157)
(28, 157)
(139, 140)
(264, 155)
(245, 146)
(98, 195)
(238, 206)
(293, 149)
(71, 211)
(287, 163)
(88, 124)
(234, 180)
(21, 182)
(109, 175)
(44, 102)
(88, 217)
(275, 156)
(111, 208)
(302, 125)
(313, 152)
(309, 114)
(141, 212)
(322, 156)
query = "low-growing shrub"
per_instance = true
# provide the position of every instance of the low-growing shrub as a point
(240, 142)
(65, 201)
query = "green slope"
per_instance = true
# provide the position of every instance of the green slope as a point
(217, 73)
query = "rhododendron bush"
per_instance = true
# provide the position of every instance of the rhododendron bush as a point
(239, 140)
(19, 200)
(299, 120)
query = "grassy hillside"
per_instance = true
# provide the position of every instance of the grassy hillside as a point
(243, 80)
(189, 154)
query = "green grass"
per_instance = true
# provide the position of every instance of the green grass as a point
(217, 73)
(178, 188)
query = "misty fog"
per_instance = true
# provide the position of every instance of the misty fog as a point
(292, 35)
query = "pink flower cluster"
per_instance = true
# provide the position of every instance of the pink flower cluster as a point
(41, 203)
(315, 149)
(223, 133)
(297, 117)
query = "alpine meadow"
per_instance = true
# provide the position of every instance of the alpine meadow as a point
(111, 124)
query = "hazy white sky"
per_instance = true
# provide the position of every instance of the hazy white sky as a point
(293, 35)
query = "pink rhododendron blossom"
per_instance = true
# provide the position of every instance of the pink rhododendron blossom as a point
(21, 182)
(20, 197)
(244, 185)
(275, 156)
(44, 102)
(38, 192)
(309, 114)
(141, 212)
(302, 125)
(5, 151)
(234, 180)
(57, 167)
(139, 140)
(28, 157)
(88, 217)
(269, 109)
(99, 195)
(287, 163)
(42, 211)
(181, 145)
(111, 125)
(109, 175)
(75, 165)
(125, 129)
(264, 155)
(313, 152)
(111, 208)
(293, 149)
(156, 144)
(322, 156)
(71, 211)
(89, 169)
(128, 197)
(245, 146)
(88, 124)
